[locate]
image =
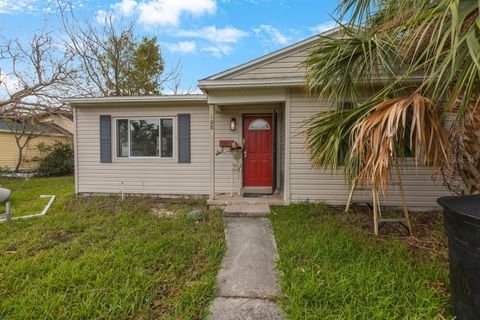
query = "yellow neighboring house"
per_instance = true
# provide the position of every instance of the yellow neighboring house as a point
(64, 122)
(56, 128)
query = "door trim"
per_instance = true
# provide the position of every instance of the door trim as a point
(274, 149)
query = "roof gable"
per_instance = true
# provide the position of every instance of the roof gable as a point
(283, 63)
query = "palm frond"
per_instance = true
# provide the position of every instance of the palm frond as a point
(372, 14)
(444, 39)
(336, 67)
(327, 136)
(391, 48)
(357, 11)
(392, 126)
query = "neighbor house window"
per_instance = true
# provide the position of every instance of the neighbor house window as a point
(145, 138)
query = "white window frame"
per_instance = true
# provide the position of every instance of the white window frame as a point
(174, 137)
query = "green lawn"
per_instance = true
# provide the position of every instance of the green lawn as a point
(103, 258)
(332, 271)
(26, 193)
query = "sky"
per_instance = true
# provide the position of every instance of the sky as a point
(206, 36)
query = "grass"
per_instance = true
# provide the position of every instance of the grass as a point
(103, 258)
(332, 271)
(25, 198)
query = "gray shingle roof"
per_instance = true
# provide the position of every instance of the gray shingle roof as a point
(40, 128)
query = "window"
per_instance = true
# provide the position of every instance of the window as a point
(145, 138)
(345, 105)
(259, 124)
(167, 138)
(342, 152)
(122, 138)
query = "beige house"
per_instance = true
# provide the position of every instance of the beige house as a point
(181, 144)
(61, 121)
(47, 132)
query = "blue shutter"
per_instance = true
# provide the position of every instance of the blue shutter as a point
(105, 139)
(184, 138)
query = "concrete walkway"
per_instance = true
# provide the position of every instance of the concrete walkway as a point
(248, 280)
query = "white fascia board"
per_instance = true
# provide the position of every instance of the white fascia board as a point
(136, 99)
(251, 83)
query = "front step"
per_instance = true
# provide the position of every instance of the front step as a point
(260, 190)
(246, 210)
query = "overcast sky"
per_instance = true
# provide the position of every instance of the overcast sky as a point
(208, 36)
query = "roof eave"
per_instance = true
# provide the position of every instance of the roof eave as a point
(297, 82)
(197, 98)
(45, 134)
(251, 83)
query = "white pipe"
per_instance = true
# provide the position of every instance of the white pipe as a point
(44, 212)
(8, 214)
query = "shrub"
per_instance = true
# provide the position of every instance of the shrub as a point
(58, 160)
(4, 170)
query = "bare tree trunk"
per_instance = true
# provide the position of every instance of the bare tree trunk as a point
(20, 158)
(21, 146)
(470, 152)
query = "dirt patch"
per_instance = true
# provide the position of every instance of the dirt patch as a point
(428, 230)
(9, 250)
(164, 213)
(61, 236)
(113, 204)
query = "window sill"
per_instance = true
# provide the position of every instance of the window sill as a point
(145, 159)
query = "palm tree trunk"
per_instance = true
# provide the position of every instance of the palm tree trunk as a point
(470, 152)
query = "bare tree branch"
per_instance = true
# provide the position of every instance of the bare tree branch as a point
(36, 75)
(103, 55)
(24, 127)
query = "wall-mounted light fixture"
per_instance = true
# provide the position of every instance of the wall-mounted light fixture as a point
(233, 124)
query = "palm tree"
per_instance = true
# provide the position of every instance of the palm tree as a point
(419, 60)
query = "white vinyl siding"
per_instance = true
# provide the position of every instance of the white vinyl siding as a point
(307, 183)
(163, 176)
(223, 161)
(287, 66)
(281, 138)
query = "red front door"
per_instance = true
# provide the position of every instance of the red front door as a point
(257, 160)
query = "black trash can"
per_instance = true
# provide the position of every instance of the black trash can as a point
(462, 225)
